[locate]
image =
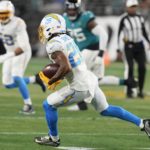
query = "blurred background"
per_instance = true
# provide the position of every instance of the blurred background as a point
(107, 12)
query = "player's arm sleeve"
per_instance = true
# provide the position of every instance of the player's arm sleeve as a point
(22, 36)
(144, 30)
(120, 29)
(56, 51)
(103, 36)
(88, 16)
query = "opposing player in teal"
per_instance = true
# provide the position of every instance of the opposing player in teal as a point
(91, 39)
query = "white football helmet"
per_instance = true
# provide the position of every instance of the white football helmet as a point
(51, 24)
(7, 11)
(73, 9)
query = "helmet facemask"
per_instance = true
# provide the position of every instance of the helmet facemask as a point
(5, 16)
(73, 9)
(6, 11)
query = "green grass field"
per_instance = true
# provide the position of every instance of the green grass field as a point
(77, 129)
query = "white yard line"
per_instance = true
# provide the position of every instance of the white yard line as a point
(77, 134)
(142, 148)
(77, 148)
(22, 117)
(70, 134)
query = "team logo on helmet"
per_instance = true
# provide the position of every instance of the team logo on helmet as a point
(51, 24)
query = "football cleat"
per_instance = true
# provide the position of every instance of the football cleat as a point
(46, 140)
(27, 110)
(141, 95)
(40, 82)
(146, 127)
(131, 83)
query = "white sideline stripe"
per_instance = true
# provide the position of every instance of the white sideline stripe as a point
(77, 148)
(70, 134)
(144, 148)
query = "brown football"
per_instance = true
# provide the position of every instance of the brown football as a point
(50, 70)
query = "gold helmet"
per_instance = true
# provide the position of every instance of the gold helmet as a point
(6, 11)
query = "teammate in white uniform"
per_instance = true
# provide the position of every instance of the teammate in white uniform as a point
(83, 84)
(18, 53)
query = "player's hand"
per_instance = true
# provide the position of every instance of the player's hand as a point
(52, 87)
(119, 55)
(43, 78)
(47, 80)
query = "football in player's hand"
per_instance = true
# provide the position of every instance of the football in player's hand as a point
(50, 70)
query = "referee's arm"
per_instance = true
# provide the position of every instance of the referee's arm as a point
(144, 31)
(121, 26)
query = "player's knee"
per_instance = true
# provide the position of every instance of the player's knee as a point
(7, 82)
(17, 79)
(7, 86)
(105, 112)
(45, 105)
(48, 107)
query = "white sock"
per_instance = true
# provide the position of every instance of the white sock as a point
(28, 101)
(32, 79)
(109, 80)
(141, 124)
(54, 138)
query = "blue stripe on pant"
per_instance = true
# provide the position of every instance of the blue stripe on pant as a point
(51, 117)
(119, 112)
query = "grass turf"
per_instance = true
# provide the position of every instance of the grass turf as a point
(77, 129)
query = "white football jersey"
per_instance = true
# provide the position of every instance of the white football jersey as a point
(80, 78)
(14, 34)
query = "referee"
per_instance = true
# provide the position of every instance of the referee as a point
(133, 30)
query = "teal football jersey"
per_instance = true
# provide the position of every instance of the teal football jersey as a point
(79, 31)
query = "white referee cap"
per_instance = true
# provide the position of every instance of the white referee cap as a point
(130, 3)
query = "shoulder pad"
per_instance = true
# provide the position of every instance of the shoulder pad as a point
(53, 46)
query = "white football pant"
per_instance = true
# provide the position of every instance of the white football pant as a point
(92, 61)
(67, 96)
(98, 67)
(15, 66)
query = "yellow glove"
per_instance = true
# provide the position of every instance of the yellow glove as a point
(43, 78)
(46, 80)
(53, 86)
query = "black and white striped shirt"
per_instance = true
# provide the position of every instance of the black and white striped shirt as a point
(133, 28)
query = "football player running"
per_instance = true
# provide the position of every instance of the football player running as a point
(91, 39)
(18, 53)
(82, 83)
